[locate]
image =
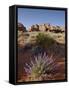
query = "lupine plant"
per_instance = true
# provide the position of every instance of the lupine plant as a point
(42, 65)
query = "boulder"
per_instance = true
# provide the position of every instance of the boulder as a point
(42, 27)
(34, 28)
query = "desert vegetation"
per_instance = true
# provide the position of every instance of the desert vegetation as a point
(41, 68)
(41, 53)
(44, 40)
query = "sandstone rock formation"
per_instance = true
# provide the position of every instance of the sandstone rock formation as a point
(47, 27)
(21, 27)
(42, 28)
(21, 30)
(34, 28)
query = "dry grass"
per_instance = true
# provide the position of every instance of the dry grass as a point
(30, 37)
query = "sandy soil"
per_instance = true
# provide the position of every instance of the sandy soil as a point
(25, 57)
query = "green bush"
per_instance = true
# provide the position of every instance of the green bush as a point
(44, 40)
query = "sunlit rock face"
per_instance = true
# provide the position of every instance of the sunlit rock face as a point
(47, 27)
(34, 28)
(42, 28)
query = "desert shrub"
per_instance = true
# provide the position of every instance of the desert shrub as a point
(42, 65)
(37, 49)
(44, 40)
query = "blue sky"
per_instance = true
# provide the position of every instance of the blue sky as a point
(29, 17)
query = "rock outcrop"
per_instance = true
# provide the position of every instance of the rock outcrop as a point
(47, 27)
(34, 28)
(21, 27)
(21, 30)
